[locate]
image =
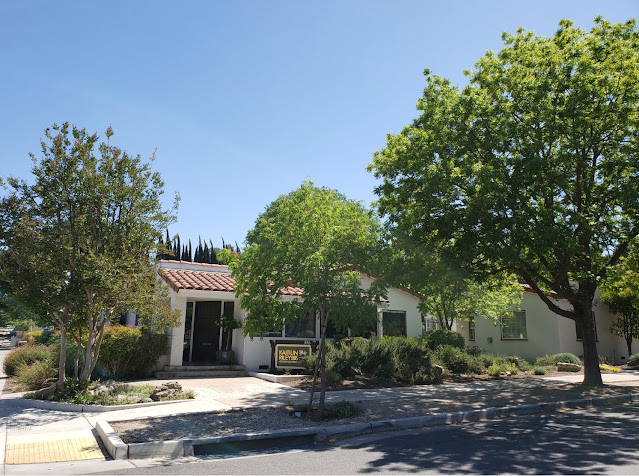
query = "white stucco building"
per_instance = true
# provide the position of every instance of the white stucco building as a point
(203, 292)
(535, 331)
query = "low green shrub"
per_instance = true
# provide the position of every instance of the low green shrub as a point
(26, 355)
(458, 361)
(46, 337)
(398, 358)
(70, 388)
(549, 360)
(605, 360)
(342, 409)
(440, 337)
(486, 359)
(633, 360)
(521, 363)
(332, 377)
(23, 324)
(129, 352)
(539, 370)
(36, 375)
(84, 393)
(475, 350)
(496, 369)
(33, 336)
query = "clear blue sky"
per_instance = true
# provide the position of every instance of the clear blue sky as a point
(244, 100)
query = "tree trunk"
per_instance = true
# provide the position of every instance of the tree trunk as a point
(94, 343)
(322, 356)
(629, 345)
(592, 373)
(62, 358)
(309, 413)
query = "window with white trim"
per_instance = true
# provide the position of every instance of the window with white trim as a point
(430, 324)
(394, 323)
(514, 327)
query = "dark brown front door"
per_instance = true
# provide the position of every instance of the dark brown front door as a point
(206, 330)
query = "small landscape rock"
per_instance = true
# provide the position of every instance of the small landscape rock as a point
(167, 390)
(568, 367)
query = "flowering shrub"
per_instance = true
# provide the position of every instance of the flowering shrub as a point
(609, 368)
(26, 355)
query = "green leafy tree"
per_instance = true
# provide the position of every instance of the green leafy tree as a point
(620, 292)
(79, 242)
(224, 256)
(531, 168)
(450, 294)
(310, 238)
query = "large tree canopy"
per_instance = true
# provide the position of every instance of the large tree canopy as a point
(450, 294)
(531, 168)
(310, 238)
(78, 242)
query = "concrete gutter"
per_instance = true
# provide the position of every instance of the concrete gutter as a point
(189, 446)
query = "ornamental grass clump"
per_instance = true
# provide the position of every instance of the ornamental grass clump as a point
(36, 375)
(342, 409)
(539, 370)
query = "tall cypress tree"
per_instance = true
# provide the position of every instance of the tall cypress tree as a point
(190, 252)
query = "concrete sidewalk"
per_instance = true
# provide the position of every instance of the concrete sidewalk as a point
(32, 439)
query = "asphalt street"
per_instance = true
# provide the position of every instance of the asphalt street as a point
(595, 441)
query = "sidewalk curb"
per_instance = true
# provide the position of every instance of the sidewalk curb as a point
(74, 407)
(3, 443)
(187, 446)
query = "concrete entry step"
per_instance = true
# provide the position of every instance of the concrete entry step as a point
(194, 368)
(201, 371)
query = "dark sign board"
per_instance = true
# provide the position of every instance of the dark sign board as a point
(291, 356)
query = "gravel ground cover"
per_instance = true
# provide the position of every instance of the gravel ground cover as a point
(265, 419)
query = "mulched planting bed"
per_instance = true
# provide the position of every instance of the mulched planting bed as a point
(259, 420)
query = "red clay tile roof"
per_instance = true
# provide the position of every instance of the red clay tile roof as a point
(207, 281)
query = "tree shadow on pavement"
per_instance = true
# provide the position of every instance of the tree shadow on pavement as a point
(584, 442)
(18, 418)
